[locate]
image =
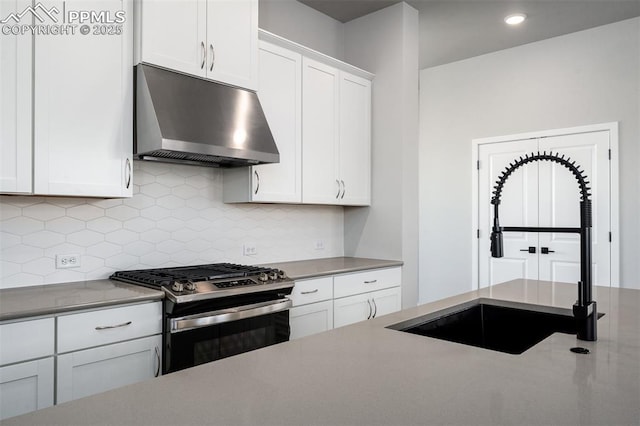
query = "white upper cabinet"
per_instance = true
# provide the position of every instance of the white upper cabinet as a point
(320, 127)
(279, 91)
(173, 34)
(232, 42)
(336, 127)
(15, 106)
(355, 140)
(319, 112)
(214, 39)
(83, 106)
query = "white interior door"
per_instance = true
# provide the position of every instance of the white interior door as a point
(518, 207)
(545, 194)
(559, 200)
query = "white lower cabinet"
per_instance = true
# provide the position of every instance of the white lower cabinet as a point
(26, 366)
(84, 373)
(361, 307)
(311, 319)
(108, 348)
(312, 310)
(324, 303)
(26, 387)
(77, 354)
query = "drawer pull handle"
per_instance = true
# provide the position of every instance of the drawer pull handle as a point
(309, 292)
(371, 282)
(157, 373)
(107, 327)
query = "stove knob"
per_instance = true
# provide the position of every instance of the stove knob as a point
(273, 275)
(282, 275)
(190, 286)
(177, 286)
(263, 277)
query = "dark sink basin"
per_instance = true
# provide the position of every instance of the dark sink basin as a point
(499, 326)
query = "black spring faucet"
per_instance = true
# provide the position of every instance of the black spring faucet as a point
(584, 310)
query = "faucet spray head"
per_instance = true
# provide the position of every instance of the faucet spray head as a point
(497, 249)
(496, 243)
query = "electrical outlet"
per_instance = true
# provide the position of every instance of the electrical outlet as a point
(319, 245)
(67, 261)
(250, 249)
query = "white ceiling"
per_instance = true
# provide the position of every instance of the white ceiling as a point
(451, 30)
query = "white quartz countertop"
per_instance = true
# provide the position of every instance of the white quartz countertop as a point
(23, 302)
(366, 374)
(301, 269)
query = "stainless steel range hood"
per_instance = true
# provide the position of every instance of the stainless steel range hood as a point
(189, 120)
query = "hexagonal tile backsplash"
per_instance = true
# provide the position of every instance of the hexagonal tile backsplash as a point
(176, 217)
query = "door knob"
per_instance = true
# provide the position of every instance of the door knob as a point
(531, 249)
(545, 250)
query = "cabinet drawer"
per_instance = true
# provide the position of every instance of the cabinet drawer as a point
(313, 290)
(95, 328)
(20, 341)
(366, 281)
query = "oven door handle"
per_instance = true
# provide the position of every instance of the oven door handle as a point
(206, 319)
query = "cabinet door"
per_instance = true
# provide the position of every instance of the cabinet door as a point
(26, 387)
(319, 133)
(355, 140)
(386, 301)
(352, 309)
(311, 319)
(83, 116)
(15, 105)
(91, 371)
(232, 42)
(173, 34)
(280, 93)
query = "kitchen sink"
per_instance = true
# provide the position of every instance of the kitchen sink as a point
(496, 325)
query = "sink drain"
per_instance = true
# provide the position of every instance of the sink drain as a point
(579, 350)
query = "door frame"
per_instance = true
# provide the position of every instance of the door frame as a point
(612, 128)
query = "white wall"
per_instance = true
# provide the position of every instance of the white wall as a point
(386, 43)
(304, 25)
(582, 78)
(176, 217)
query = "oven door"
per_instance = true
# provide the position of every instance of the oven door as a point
(195, 339)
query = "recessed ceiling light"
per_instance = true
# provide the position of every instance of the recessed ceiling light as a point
(515, 19)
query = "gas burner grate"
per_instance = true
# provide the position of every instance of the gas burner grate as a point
(166, 276)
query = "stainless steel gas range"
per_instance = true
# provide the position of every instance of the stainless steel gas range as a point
(218, 310)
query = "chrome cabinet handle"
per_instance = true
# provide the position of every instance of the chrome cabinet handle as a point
(309, 292)
(375, 312)
(107, 327)
(371, 282)
(369, 303)
(258, 182)
(204, 55)
(213, 57)
(157, 373)
(339, 189)
(128, 173)
(344, 189)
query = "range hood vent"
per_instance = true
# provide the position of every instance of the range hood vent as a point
(185, 119)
